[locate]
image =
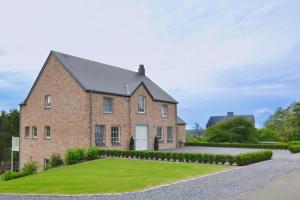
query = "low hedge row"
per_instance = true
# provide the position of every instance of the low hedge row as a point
(28, 169)
(77, 155)
(239, 145)
(294, 148)
(241, 159)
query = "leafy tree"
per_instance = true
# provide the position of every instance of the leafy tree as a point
(9, 126)
(286, 122)
(268, 134)
(237, 129)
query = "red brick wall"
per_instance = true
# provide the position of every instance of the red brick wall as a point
(67, 117)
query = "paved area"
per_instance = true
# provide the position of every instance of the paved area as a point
(219, 186)
(285, 187)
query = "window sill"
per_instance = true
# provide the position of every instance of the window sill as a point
(141, 112)
(47, 138)
(107, 112)
(170, 141)
(27, 137)
(101, 145)
(35, 138)
(48, 107)
(164, 116)
(116, 144)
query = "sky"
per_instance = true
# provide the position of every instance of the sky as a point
(212, 56)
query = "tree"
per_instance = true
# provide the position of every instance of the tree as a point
(237, 129)
(9, 126)
(286, 122)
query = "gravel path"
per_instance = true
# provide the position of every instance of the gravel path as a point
(218, 186)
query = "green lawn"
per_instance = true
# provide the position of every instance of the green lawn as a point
(106, 176)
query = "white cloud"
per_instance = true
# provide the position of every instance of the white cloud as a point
(263, 111)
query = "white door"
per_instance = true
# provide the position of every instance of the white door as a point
(141, 138)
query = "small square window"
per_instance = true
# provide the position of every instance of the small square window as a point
(141, 104)
(107, 105)
(27, 132)
(47, 101)
(164, 110)
(47, 132)
(170, 134)
(160, 135)
(115, 134)
(34, 132)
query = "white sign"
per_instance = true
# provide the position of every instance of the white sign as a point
(15, 144)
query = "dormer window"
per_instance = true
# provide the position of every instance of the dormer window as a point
(47, 101)
(141, 104)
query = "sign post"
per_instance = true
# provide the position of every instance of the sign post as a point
(15, 143)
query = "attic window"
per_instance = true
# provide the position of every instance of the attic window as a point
(47, 101)
(141, 104)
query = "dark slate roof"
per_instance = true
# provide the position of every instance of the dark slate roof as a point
(180, 121)
(99, 77)
(215, 119)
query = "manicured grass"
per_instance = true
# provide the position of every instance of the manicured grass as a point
(106, 176)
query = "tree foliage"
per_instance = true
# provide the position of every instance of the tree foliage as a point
(237, 129)
(9, 126)
(286, 122)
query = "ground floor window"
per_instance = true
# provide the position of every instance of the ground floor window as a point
(160, 135)
(27, 132)
(170, 134)
(47, 132)
(100, 135)
(115, 134)
(46, 162)
(34, 132)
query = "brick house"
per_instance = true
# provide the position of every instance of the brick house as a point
(76, 102)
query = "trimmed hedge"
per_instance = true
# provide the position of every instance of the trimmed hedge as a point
(294, 148)
(74, 156)
(241, 159)
(239, 145)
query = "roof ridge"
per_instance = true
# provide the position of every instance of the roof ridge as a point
(64, 54)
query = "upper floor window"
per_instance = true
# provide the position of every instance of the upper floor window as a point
(47, 101)
(27, 132)
(100, 135)
(115, 134)
(170, 134)
(164, 110)
(107, 105)
(47, 132)
(160, 135)
(141, 104)
(34, 132)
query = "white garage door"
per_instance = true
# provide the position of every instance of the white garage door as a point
(141, 138)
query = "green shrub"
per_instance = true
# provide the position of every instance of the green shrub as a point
(156, 145)
(56, 160)
(253, 157)
(240, 145)
(92, 153)
(29, 168)
(131, 143)
(294, 148)
(74, 156)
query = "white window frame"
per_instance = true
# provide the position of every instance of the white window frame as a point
(141, 104)
(46, 132)
(115, 130)
(108, 99)
(164, 110)
(97, 141)
(160, 138)
(48, 101)
(34, 132)
(27, 132)
(170, 139)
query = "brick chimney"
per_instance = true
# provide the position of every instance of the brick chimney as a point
(230, 114)
(141, 70)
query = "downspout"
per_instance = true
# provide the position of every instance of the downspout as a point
(91, 118)
(176, 128)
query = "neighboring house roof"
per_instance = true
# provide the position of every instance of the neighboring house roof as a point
(215, 119)
(180, 121)
(97, 77)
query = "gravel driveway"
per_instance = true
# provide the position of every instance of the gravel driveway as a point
(218, 186)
